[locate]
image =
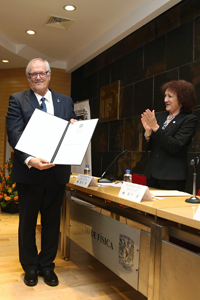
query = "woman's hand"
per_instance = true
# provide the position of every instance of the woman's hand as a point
(149, 121)
(144, 123)
(148, 130)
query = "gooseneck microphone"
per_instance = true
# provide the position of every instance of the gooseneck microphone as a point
(108, 180)
(194, 162)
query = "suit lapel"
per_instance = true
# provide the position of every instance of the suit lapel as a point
(175, 121)
(31, 98)
(56, 104)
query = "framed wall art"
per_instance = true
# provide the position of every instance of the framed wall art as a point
(109, 102)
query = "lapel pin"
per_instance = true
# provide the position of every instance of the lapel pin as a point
(58, 100)
(174, 121)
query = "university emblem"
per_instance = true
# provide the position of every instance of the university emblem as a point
(126, 252)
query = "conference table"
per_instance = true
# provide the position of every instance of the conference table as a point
(152, 245)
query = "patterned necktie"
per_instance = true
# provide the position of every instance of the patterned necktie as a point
(43, 105)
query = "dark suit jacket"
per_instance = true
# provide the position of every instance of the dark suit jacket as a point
(169, 147)
(20, 109)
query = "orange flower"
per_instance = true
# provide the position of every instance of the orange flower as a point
(8, 191)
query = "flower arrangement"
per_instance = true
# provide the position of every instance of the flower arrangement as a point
(8, 192)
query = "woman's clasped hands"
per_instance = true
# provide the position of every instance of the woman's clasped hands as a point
(149, 121)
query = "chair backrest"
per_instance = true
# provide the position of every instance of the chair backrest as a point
(139, 179)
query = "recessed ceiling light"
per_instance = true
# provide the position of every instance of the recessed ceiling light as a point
(30, 32)
(69, 7)
(5, 61)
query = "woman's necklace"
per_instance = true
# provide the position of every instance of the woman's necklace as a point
(167, 121)
(169, 118)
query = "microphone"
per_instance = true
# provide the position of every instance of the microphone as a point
(108, 180)
(41, 105)
(194, 162)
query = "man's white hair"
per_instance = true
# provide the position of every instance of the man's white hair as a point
(30, 62)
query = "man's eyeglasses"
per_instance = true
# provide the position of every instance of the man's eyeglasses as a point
(41, 74)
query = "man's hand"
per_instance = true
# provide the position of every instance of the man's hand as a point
(73, 120)
(40, 163)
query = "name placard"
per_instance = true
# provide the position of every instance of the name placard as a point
(134, 192)
(85, 181)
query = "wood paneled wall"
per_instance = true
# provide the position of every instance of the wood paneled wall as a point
(14, 80)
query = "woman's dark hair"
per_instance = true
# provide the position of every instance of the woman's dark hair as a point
(185, 92)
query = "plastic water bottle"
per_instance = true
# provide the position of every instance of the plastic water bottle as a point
(128, 176)
(86, 170)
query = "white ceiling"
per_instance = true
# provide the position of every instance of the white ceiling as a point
(98, 24)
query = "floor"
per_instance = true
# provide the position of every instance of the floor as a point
(82, 277)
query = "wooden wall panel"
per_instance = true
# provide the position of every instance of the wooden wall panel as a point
(60, 81)
(14, 80)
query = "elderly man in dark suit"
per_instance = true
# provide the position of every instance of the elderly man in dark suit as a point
(40, 184)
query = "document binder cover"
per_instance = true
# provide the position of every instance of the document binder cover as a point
(56, 140)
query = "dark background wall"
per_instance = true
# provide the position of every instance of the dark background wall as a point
(167, 48)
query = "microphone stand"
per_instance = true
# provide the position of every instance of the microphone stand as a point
(194, 199)
(108, 180)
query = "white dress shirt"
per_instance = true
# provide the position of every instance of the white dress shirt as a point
(50, 110)
(48, 101)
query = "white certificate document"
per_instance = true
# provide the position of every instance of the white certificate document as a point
(56, 140)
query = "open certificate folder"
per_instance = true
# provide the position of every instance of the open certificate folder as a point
(56, 140)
